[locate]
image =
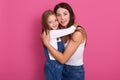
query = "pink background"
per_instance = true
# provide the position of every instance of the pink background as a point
(21, 52)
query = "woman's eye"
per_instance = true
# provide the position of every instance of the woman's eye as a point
(65, 13)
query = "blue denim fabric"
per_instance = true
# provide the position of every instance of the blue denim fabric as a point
(73, 72)
(53, 69)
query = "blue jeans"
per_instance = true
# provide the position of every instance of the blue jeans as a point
(73, 72)
(53, 70)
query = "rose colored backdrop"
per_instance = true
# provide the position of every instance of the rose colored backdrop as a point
(21, 52)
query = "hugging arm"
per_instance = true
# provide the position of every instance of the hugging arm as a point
(73, 44)
(61, 32)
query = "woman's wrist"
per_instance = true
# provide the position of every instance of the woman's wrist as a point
(46, 44)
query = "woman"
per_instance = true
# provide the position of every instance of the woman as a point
(72, 57)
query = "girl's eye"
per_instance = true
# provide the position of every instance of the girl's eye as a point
(50, 22)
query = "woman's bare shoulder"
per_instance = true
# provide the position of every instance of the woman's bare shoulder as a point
(79, 34)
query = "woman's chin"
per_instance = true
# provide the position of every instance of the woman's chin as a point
(63, 25)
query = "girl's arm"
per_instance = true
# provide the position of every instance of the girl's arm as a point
(61, 32)
(73, 44)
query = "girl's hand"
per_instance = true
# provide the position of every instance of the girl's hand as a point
(76, 24)
(45, 38)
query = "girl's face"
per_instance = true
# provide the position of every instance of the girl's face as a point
(63, 16)
(52, 22)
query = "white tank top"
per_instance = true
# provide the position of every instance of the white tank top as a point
(77, 57)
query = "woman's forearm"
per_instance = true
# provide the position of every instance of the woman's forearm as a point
(56, 54)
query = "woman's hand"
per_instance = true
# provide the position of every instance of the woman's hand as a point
(45, 38)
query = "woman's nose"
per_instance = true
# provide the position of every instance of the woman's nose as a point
(62, 17)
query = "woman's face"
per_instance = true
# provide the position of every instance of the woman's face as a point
(63, 16)
(52, 22)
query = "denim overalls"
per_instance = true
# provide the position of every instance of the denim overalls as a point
(53, 69)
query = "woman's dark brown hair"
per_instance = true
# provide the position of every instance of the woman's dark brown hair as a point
(45, 16)
(72, 16)
(69, 8)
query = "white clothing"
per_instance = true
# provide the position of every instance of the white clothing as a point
(54, 34)
(77, 57)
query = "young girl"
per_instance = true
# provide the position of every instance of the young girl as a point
(53, 69)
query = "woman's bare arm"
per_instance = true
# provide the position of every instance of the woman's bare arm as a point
(77, 39)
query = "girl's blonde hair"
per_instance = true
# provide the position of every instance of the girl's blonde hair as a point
(45, 16)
